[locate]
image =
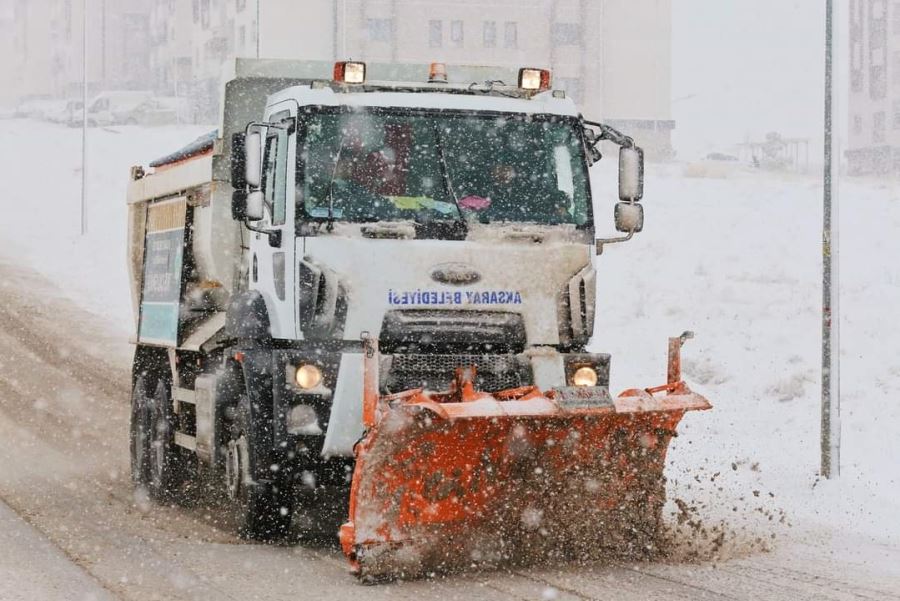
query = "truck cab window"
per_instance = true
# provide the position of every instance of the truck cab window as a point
(275, 175)
(368, 166)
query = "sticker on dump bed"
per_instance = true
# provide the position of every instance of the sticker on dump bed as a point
(583, 397)
(461, 297)
(163, 258)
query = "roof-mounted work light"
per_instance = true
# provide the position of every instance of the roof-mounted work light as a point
(437, 73)
(534, 79)
(350, 72)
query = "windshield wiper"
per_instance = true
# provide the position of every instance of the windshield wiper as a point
(445, 174)
(329, 224)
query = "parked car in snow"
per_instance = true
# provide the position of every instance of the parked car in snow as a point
(721, 156)
(116, 107)
(160, 110)
(68, 114)
(39, 108)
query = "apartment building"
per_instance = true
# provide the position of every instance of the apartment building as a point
(24, 32)
(171, 47)
(9, 72)
(118, 45)
(45, 41)
(874, 95)
(612, 56)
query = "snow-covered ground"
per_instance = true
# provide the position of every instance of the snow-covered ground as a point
(737, 259)
(41, 202)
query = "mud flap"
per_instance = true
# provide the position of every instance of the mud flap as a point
(445, 481)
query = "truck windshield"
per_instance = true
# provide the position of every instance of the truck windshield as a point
(392, 165)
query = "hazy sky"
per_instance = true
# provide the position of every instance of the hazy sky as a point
(742, 68)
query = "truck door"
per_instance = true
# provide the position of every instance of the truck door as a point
(272, 256)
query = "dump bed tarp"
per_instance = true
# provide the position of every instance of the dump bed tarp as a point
(198, 146)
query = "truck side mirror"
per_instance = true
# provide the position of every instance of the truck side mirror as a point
(253, 207)
(238, 161)
(629, 217)
(631, 173)
(253, 159)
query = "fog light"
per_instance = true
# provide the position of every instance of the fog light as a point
(584, 376)
(303, 420)
(308, 376)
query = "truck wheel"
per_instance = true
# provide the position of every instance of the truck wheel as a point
(168, 463)
(263, 511)
(140, 431)
(157, 464)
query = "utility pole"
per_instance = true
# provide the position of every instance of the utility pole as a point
(84, 120)
(831, 381)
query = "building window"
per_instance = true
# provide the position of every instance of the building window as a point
(896, 15)
(490, 34)
(895, 68)
(877, 55)
(456, 33)
(565, 34)
(240, 4)
(242, 37)
(204, 14)
(878, 122)
(435, 34)
(511, 34)
(196, 6)
(857, 124)
(380, 30)
(68, 12)
(896, 120)
(877, 81)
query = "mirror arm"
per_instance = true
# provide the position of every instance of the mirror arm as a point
(273, 235)
(601, 241)
(611, 134)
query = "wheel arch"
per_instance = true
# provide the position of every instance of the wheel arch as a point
(149, 360)
(247, 318)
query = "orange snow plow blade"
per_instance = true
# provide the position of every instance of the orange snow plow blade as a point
(445, 481)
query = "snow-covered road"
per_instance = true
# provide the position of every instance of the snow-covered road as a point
(38, 569)
(64, 468)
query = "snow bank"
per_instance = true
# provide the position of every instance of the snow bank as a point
(738, 261)
(41, 226)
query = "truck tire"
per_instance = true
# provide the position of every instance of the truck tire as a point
(139, 432)
(157, 463)
(263, 510)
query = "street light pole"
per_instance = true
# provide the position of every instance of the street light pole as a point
(84, 122)
(831, 382)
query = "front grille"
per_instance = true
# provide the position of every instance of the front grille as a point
(435, 372)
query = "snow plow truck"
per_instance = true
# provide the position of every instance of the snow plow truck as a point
(380, 278)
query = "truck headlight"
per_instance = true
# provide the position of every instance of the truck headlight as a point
(308, 376)
(585, 376)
